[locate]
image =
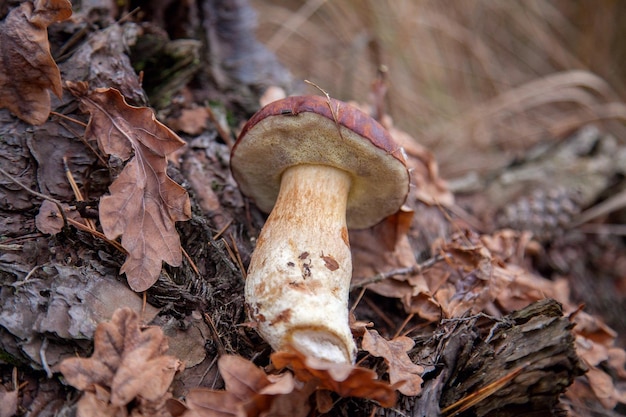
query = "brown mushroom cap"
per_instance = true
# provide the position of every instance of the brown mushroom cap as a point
(319, 131)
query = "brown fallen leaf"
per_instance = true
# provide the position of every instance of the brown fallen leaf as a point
(250, 392)
(604, 388)
(204, 402)
(144, 203)
(192, 121)
(128, 364)
(403, 373)
(27, 70)
(8, 402)
(385, 248)
(346, 380)
(49, 219)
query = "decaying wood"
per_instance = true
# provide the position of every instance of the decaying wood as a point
(466, 355)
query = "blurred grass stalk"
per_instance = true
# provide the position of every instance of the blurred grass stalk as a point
(485, 79)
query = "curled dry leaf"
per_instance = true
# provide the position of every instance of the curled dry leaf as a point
(467, 279)
(383, 249)
(49, 219)
(27, 70)
(128, 364)
(249, 392)
(344, 379)
(144, 203)
(192, 121)
(403, 373)
(604, 388)
(204, 402)
(8, 402)
(429, 187)
(512, 287)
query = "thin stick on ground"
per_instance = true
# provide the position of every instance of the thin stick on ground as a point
(469, 401)
(222, 230)
(37, 194)
(221, 131)
(231, 253)
(77, 193)
(411, 270)
(191, 262)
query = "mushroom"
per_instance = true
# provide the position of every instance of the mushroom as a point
(320, 166)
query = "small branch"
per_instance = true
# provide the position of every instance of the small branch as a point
(98, 235)
(42, 357)
(79, 196)
(222, 230)
(411, 270)
(71, 119)
(36, 194)
(234, 255)
(191, 262)
(474, 398)
(221, 350)
(223, 133)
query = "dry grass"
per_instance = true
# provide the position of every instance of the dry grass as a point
(484, 79)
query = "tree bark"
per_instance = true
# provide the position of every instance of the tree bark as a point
(528, 357)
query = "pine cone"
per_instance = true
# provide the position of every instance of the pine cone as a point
(545, 212)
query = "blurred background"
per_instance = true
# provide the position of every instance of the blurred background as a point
(486, 79)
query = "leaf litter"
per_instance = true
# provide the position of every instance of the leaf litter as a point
(403, 373)
(474, 275)
(249, 392)
(27, 69)
(128, 363)
(144, 202)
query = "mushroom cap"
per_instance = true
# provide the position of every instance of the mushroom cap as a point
(322, 131)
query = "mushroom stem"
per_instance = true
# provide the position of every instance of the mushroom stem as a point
(298, 281)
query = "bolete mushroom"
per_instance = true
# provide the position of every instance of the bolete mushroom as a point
(320, 166)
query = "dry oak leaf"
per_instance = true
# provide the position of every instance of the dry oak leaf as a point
(8, 402)
(128, 364)
(27, 70)
(250, 392)
(344, 379)
(144, 203)
(384, 248)
(205, 402)
(403, 373)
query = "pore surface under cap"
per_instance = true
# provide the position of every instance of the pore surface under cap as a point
(319, 131)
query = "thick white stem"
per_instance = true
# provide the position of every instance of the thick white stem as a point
(299, 275)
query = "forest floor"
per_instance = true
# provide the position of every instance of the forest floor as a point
(494, 292)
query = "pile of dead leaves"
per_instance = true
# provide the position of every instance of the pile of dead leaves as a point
(27, 70)
(128, 365)
(250, 391)
(130, 374)
(144, 203)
